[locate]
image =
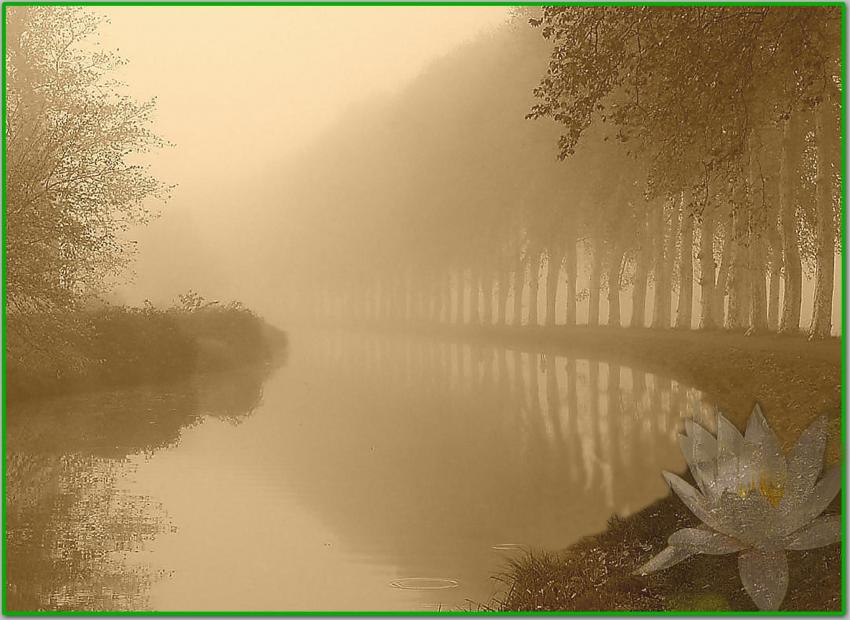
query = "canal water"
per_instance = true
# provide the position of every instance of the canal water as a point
(367, 472)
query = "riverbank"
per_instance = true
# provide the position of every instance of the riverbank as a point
(793, 379)
(120, 346)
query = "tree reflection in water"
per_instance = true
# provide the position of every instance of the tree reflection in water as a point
(73, 521)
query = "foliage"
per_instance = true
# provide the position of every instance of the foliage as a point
(72, 187)
(119, 345)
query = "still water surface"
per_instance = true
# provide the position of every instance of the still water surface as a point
(367, 473)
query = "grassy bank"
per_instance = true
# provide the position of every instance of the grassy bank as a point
(794, 380)
(121, 346)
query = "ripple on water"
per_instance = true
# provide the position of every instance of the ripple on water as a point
(425, 583)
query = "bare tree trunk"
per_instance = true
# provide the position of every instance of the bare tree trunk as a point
(615, 262)
(571, 273)
(487, 292)
(738, 315)
(519, 285)
(670, 258)
(757, 246)
(502, 293)
(474, 297)
(825, 259)
(791, 264)
(758, 306)
(722, 283)
(774, 273)
(661, 289)
(553, 275)
(595, 283)
(533, 288)
(460, 317)
(684, 311)
(707, 267)
(643, 260)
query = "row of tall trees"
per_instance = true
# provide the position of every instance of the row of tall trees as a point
(681, 163)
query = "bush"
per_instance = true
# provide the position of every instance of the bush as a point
(119, 345)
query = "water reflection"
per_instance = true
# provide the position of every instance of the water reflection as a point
(371, 461)
(74, 528)
(430, 455)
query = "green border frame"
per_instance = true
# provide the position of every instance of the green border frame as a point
(441, 3)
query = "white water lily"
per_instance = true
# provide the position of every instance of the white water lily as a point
(753, 501)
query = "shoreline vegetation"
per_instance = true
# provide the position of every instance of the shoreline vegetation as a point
(112, 346)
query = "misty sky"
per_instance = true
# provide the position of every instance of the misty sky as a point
(240, 91)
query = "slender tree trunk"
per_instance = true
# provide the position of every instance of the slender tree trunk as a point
(670, 258)
(791, 265)
(825, 242)
(642, 263)
(722, 283)
(553, 276)
(475, 297)
(774, 273)
(519, 285)
(738, 315)
(436, 298)
(487, 292)
(595, 282)
(615, 262)
(533, 288)
(661, 287)
(460, 313)
(684, 311)
(571, 272)
(758, 305)
(707, 267)
(502, 293)
(758, 244)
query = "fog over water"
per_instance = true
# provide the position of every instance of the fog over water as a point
(241, 93)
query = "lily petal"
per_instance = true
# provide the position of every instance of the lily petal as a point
(730, 442)
(805, 510)
(765, 577)
(704, 541)
(767, 449)
(665, 559)
(805, 461)
(701, 468)
(821, 532)
(730, 453)
(705, 444)
(697, 504)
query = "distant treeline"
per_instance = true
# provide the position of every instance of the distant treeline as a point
(120, 345)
